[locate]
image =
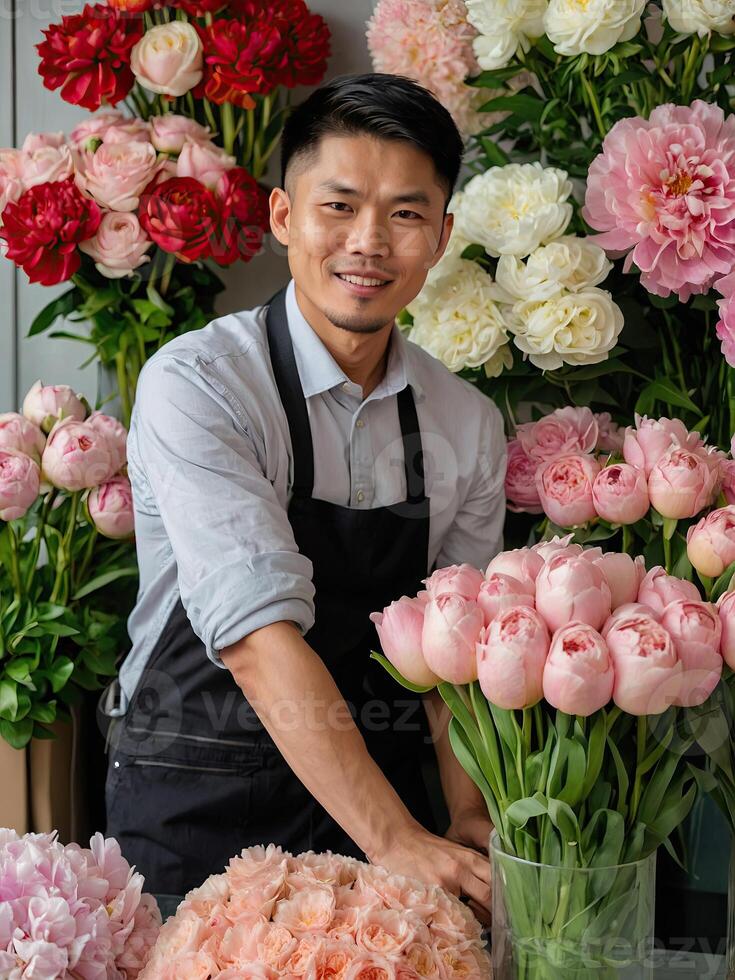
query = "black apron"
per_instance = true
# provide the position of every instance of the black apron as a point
(193, 775)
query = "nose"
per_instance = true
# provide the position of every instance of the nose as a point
(368, 235)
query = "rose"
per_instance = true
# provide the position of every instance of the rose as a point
(520, 480)
(44, 405)
(170, 131)
(11, 185)
(681, 484)
(648, 671)
(623, 574)
(204, 162)
(711, 542)
(591, 28)
(726, 612)
(523, 564)
(119, 246)
(36, 141)
(644, 445)
(19, 483)
(658, 589)
(45, 164)
(399, 628)
(696, 630)
(499, 592)
(511, 654)
(94, 129)
(578, 675)
(620, 494)
(700, 16)
(117, 173)
(568, 264)
(572, 589)
(16, 432)
(565, 489)
(77, 455)
(566, 431)
(111, 508)
(463, 580)
(168, 59)
(451, 628)
(116, 434)
(181, 216)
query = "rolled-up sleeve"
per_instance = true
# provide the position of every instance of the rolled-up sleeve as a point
(193, 461)
(476, 534)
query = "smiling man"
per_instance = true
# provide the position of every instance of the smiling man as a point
(296, 467)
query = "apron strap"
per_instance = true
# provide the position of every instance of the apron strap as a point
(289, 387)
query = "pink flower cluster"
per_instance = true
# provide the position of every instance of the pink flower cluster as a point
(316, 916)
(726, 323)
(79, 453)
(67, 911)
(565, 466)
(573, 625)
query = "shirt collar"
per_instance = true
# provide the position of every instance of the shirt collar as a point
(318, 370)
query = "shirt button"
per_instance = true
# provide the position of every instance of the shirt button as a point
(359, 423)
(345, 386)
(360, 496)
(116, 764)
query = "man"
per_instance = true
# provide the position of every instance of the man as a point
(294, 468)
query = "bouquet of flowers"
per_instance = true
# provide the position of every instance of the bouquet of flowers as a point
(67, 561)
(274, 915)
(72, 912)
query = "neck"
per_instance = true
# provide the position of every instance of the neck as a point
(362, 356)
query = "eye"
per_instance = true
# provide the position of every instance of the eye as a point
(403, 214)
(337, 204)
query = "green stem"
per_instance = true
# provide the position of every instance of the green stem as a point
(594, 104)
(642, 736)
(667, 554)
(689, 76)
(228, 126)
(122, 385)
(36, 549)
(63, 564)
(168, 268)
(249, 139)
(86, 560)
(627, 539)
(14, 562)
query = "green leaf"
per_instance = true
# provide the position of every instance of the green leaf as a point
(528, 107)
(670, 526)
(722, 584)
(59, 673)
(101, 580)
(665, 391)
(8, 700)
(397, 676)
(492, 79)
(521, 811)
(16, 734)
(61, 306)
(496, 156)
(45, 713)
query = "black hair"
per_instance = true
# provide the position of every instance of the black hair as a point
(390, 107)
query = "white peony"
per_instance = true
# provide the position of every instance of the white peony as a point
(569, 263)
(502, 360)
(701, 16)
(456, 318)
(591, 26)
(504, 26)
(511, 210)
(572, 328)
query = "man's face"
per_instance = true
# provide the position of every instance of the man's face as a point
(361, 207)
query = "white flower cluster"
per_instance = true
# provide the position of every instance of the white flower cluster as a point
(545, 295)
(700, 16)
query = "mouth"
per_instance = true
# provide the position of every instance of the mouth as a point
(362, 285)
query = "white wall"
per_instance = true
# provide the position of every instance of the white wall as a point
(26, 106)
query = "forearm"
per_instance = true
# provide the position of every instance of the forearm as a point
(460, 792)
(302, 709)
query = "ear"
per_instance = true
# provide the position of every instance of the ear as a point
(444, 238)
(280, 205)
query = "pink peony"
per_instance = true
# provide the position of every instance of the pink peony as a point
(572, 589)
(578, 676)
(651, 439)
(658, 589)
(511, 654)
(119, 245)
(620, 494)
(681, 484)
(44, 405)
(611, 436)
(663, 190)
(45, 164)
(523, 564)
(727, 472)
(565, 488)
(77, 456)
(499, 592)
(565, 432)
(725, 327)
(170, 131)
(19, 484)
(451, 629)
(648, 670)
(399, 627)
(116, 433)
(696, 630)
(726, 612)
(116, 174)
(623, 574)
(111, 508)
(204, 161)
(16, 432)
(520, 480)
(711, 542)
(463, 580)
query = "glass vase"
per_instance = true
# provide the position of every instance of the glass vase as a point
(569, 923)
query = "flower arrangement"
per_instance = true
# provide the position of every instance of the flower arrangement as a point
(66, 526)
(70, 911)
(274, 915)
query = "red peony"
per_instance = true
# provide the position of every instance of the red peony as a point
(181, 216)
(198, 8)
(306, 37)
(43, 228)
(245, 216)
(131, 6)
(88, 55)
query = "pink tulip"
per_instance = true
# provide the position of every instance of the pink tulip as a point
(578, 676)
(572, 589)
(620, 494)
(44, 405)
(651, 439)
(451, 629)
(648, 671)
(566, 431)
(696, 630)
(111, 508)
(399, 628)
(681, 484)
(499, 592)
(711, 542)
(726, 611)
(623, 574)
(565, 489)
(520, 480)
(16, 432)
(78, 455)
(523, 564)
(19, 484)
(116, 433)
(511, 654)
(659, 589)
(462, 580)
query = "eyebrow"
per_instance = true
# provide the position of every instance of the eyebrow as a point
(410, 197)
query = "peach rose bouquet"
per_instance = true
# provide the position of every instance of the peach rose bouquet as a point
(271, 914)
(67, 559)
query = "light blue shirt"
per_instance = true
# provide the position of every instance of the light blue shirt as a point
(210, 462)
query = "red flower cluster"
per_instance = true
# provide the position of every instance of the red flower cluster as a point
(43, 227)
(87, 55)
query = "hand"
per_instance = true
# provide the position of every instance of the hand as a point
(471, 827)
(416, 853)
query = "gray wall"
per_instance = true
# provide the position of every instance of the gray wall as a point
(26, 106)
